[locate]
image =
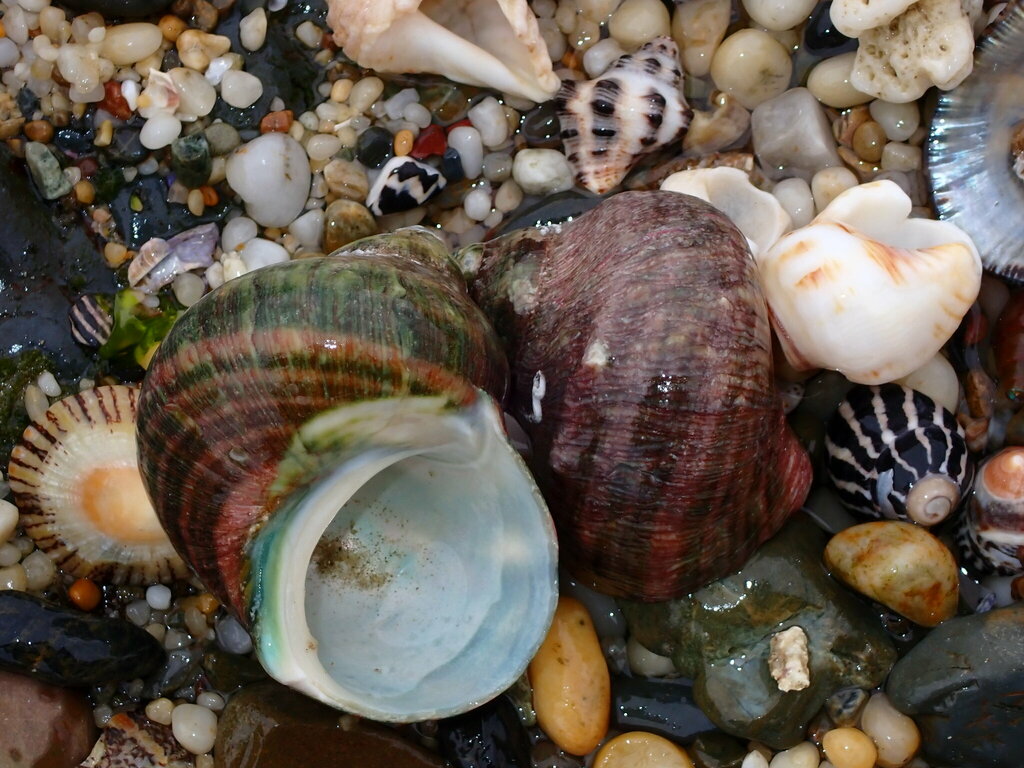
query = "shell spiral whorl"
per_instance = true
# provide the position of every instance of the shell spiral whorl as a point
(641, 359)
(321, 444)
(895, 453)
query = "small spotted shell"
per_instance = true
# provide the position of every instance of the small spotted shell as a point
(636, 106)
(990, 534)
(894, 453)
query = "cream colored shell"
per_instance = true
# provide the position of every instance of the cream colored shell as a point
(867, 291)
(490, 43)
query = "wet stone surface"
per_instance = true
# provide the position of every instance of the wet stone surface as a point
(490, 736)
(43, 726)
(664, 707)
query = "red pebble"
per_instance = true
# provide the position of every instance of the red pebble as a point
(113, 102)
(431, 141)
(88, 166)
(460, 123)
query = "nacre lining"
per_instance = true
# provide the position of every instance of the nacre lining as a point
(970, 164)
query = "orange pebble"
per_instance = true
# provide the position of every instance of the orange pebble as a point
(403, 142)
(277, 122)
(85, 594)
(3, 32)
(209, 194)
(207, 603)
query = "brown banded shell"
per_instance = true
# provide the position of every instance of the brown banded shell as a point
(990, 533)
(642, 371)
(634, 108)
(75, 479)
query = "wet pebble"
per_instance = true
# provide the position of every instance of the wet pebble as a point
(490, 736)
(194, 727)
(638, 748)
(191, 160)
(821, 38)
(845, 705)
(900, 565)
(404, 183)
(698, 27)
(803, 755)
(792, 136)
(222, 138)
(43, 726)
(271, 174)
(466, 140)
(375, 146)
(895, 735)
(451, 165)
(751, 66)
(540, 127)
(664, 707)
(542, 171)
(46, 171)
(849, 748)
(126, 145)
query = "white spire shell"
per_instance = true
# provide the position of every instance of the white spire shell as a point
(489, 43)
(867, 291)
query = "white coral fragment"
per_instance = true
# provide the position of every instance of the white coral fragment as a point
(931, 43)
(788, 660)
(867, 291)
(490, 43)
(757, 214)
(855, 17)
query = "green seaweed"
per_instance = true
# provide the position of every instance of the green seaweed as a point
(138, 329)
(16, 373)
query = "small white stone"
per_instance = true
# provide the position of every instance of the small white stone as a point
(554, 40)
(8, 520)
(215, 71)
(600, 56)
(900, 157)
(197, 96)
(9, 555)
(829, 81)
(508, 197)
(194, 727)
(478, 202)
(899, 121)
(804, 755)
(788, 661)
(752, 66)
(309, 34)
(467, 142)
(937, 379)
(647, 663)
(240, 89)
(129, 43)
(394, 106)
(188, 288)
(33, 6)
(778, 15)
(754, 759)
(698, 26)
(214, 275)
(828, 183)
(488, 117)
(795, 196)
(309, 228)
(365, 92)
(210, 700)
(159, 131)
(39, 571)
(9, 53)
(542, 171)
(259, 252)
(48, 383)
(35, 403)
(792, 136)
(323, 146)
(417, 114)
(271, 174)
(236, 232)
(13, 577)
(636, 22)
(159, 597)
(252, 30)
(160, 710)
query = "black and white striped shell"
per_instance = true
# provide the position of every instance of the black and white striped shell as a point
(635, 107)
(894, 453)
(990, 533)
(90, 322)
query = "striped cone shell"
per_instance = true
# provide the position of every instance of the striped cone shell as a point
(642, 371)
(885, 441)
(90, 321)
(634, 108)
(75, 480)
(253, 361)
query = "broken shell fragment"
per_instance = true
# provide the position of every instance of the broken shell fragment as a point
(867, 291)
(75, 479)
(635, 107)
(321, 441)
(490, 43)
(900, 565)
(990, 534)
(642, 372)
(894, 453)
(758, 214)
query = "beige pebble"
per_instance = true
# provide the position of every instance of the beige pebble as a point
(754, 759)
(895, 735)
(638, 748)
(829, 81)
(828, 183)
(647, 663)
(778, 15)
(8, 520)
(595, 10)
(128, 43)
(13, 577)
(797, 199)
(751, 66)
(365, 92)
(901, 157)
(39, 570)
(36, 402)
(346, 179)
(252, 29)
(194, 727)
(899, 120)
(868, 141)
(571, 685)
(508, 197)
(849, 748)
(636, 22)
(938, 380)
(900, 565)
(197, 48)
(803, 755)
(197, 96)
(341, 89)
(698, 27)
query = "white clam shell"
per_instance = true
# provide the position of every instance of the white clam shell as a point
(490, 43)
(757, 214)
(866, 291)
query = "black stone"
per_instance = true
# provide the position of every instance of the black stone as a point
(66, 647)
(490, 736)
(554, 209)
(157, 217)
(120, 8)
(74, 143)
(190, 160)
(717, 750)
(27, 102)
(821, 38)
(126, 146)
(375, 146)
(664, 707)
(540, 127)
(451, 166)
(964, 686)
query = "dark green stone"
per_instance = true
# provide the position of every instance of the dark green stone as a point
(16, 374)
(375, 146)
(229, 672)
(46, 171)
(717, 750)
(269, 726)
(222, 138)
(720, 636)
(191, 160)
(66, 647)
(107, 182)
(964, 686)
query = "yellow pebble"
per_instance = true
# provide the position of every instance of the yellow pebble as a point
(403, 142)
(85, 192)
(341, 89)
(196, 206)
(635, 749)
(849, 748)
(114, 254)
(104, 135)
(571, 686)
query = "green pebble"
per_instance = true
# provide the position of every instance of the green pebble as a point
(46, 171)
(191, 160)
(228, 672)
(107, 182)
(346, 221)
(222, 138)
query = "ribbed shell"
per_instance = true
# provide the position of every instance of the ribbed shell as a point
(635, 107)
(990, 533)
(641, 360)
(251, 362)
(882, 440)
